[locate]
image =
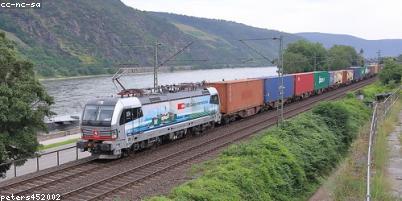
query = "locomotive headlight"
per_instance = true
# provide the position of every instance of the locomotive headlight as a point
(114, 134)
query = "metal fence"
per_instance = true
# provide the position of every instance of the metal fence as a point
(41, 161)
(380, 112)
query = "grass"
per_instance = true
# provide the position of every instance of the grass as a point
(350, 183)
(380, 186)
(284, 163)
(58, 144)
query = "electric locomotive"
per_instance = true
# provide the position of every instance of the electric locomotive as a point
(112, 127)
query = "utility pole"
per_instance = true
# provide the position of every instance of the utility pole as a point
(378, 56)
(315, 62)
(281, 70)
(156, 66)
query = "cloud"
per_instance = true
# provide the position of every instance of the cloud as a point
(369, 19)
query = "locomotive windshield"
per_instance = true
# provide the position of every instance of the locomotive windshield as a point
(95, 115)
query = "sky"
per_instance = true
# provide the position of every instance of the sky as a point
(369, 19)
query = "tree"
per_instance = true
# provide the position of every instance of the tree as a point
(295, 62)
(23, 104)
(342, 56)
(399, 58)
(313, 53)
(392, 72)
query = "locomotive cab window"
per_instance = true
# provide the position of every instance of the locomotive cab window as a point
(214, 99)
(130, 115)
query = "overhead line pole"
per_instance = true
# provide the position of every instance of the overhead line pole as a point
(281, 70)
(280, 67)
(378, 56)
(156, 65)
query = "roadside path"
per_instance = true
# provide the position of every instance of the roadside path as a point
(60, 139)
(394, 168)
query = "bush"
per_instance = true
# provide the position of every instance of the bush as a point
(284, 163)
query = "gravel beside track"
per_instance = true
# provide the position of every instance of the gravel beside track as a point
(155, 171)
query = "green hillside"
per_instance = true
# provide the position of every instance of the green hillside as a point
(85, 37)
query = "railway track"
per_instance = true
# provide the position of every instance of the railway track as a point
(116, 183)
(46, 181)
(110, 186)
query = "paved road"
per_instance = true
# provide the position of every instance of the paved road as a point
(46, 161)
(60, 139)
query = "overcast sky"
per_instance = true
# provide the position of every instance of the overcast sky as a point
(369, 19)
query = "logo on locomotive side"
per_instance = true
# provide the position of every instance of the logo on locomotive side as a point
(181, 106)
(95, 132)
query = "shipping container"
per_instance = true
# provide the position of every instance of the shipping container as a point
(366, 71)
(349, 74)
(272, 88)
(335, 77)
(304, 83)
(358, 73)
(344, 76)
(374, 69)
(238, 95)
(321, 80)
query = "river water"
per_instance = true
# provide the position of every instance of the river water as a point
(71, 94)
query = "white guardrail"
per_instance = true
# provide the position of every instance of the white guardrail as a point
(380, 111)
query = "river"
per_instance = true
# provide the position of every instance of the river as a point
(71, 94)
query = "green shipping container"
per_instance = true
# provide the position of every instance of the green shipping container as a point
(321, 79)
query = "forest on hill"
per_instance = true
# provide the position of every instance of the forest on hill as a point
(77, 37)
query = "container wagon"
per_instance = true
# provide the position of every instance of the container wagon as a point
(349, 76)
(376, 68)
(321, 81)
(373, 69)
(239, 98)
(272, 89)
(358, 73)
(336, 78)
(304, 84)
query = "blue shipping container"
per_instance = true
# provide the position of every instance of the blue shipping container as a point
(357, 73)
(272, 91)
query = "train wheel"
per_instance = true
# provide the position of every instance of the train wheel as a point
(125, 152)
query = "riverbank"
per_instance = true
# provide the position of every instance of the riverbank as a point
(74, 77)
(165, 70)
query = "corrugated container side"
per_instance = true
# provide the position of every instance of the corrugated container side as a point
(350, 75)
(338, 77)
(345, 76)
(272, 91)
(238, 95)
(376, 69)
(367, 70)
(304, 82)
(321, 80)
(357, 73)
(331, 78)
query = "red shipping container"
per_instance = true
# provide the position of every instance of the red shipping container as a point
(238, 95)
(304, 83)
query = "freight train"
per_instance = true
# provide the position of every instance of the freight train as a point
(113, 127)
